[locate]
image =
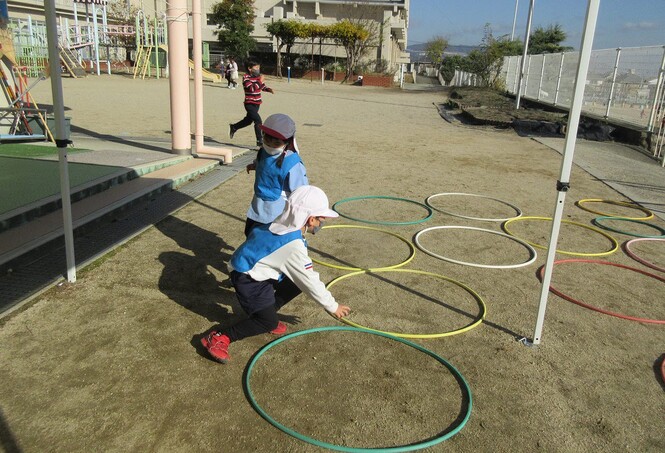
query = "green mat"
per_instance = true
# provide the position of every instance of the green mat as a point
(26, 150)
(24, 181)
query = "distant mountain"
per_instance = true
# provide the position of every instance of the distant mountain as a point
(450, 50)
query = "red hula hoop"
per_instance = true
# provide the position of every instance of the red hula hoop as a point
(600, 310)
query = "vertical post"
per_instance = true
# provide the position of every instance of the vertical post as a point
(526, 48)
(614, 80)
(105, 33)
(323, 72)
(512, 34)
(95, 36)
(563, 184)
(76, 25)
(288, 74)
(558, 79)
(61, 138)
(156, 46)
(659, 84)
(176, 18)
(542, 71)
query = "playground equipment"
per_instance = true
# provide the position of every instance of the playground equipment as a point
(20, 116)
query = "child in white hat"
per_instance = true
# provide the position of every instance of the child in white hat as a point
(272, 267)
(279, 171)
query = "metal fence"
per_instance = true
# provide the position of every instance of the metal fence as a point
(623, 84)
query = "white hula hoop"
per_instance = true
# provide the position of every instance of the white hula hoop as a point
(518, 211)
(532, 251)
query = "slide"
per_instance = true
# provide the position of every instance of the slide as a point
(207, 75)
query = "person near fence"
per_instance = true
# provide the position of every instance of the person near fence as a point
(253, 83)
(272, 267)
(279, 171)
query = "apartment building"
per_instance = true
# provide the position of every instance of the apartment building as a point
(390, 18)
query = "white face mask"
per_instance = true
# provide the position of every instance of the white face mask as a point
(274, 151)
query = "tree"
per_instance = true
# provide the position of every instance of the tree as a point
(286, 32)
(235, 22)
(434, 50)
(449, 65)
(487, 61)
(548, 40)
(354, 38)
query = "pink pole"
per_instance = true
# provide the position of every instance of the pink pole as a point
(176, 17)
(225, 153)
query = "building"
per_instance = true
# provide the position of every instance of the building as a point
(390, 18)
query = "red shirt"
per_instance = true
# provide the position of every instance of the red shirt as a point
(253, 87)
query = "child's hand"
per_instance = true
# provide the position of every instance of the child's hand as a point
(342, 311)
(251, 167)
(270, 90)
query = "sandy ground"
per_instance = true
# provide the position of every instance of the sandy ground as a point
(112, 362)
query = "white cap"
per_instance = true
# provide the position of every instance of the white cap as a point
(303, 203)
(279, 125)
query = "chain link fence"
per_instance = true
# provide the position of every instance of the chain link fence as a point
(622, 84)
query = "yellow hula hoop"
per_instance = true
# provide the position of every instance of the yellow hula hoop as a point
(626, 204)
(349, 268)
(476, 296)
(614, 242)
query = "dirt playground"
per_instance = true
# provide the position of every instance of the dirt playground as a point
(113, 363)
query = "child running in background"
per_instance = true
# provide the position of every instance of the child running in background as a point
(272, 267)
(253, 84)
(279, 171)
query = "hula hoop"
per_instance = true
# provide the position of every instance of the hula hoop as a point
(532, 251)
(626, 204)
(392, 266)
(517, 210)
(476, 323)
(368, 197)
(632, 254)
(410, 447)
(600, 310)
(597, 222)
(615, 244)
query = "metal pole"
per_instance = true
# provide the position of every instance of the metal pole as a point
(654, 107)
(95, 35)
(156, 46)
(614, 80)
(176, 17)
(61, 138)
(526, 47)
(558, 80)
(512, 35)
(540, 83)
(105, 32)
(563, 183)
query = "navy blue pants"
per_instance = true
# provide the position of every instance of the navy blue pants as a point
(261, 301)
(252, 116)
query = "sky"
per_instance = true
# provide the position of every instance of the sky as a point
(621, 23)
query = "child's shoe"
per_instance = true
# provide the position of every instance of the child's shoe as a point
(280, 329)
(217, 346)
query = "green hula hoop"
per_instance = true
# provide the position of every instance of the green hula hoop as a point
(597, 222)
(476, 296)
(392, 266)
(430, 212)
(411, 447)
(615, 244)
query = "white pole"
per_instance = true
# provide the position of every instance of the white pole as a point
(542, 73)
(105, 32)
(95, 35)
(614, 81)
(512, 35)
(659, 84)
(61, 138)
(526, 47)
(558, 79)
(563, 183)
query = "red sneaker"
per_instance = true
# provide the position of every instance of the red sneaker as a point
(217, 345)
(280, 329)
